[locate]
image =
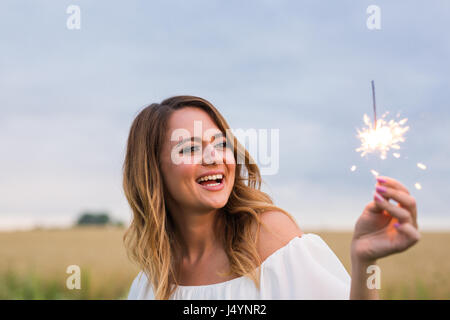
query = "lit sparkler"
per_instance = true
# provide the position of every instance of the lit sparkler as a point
(382, 135)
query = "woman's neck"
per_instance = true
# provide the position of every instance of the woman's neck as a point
(197, 235)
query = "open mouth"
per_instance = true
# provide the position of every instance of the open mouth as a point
(212, 182)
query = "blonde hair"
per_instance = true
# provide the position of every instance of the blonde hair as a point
(150, 239)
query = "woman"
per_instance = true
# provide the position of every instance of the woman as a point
(202, 229)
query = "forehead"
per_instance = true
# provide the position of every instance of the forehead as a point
(190, 118)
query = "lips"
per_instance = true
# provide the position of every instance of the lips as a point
(213, 185)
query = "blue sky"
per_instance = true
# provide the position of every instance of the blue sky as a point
(68, 97)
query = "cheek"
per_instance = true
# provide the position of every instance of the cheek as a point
(231, 173)
(228, 157)
(182, 173)
(179, 178)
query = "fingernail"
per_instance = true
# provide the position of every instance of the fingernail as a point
(381, 180)
(378, 197)
(381, 189)
(396, 225)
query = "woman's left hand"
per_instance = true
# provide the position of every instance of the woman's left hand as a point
(385, 228)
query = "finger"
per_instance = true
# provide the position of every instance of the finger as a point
(400, 213)
(411, 233)
(406, 200)
(373, 208)
(403, 199)
(392, 183)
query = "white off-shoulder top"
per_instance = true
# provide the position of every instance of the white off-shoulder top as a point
(305, 268)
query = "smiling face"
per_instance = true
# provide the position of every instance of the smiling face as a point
(197, 165)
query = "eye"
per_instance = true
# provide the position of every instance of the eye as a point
(189, 149)
(222, 145)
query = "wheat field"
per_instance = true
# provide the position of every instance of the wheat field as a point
(33, 264)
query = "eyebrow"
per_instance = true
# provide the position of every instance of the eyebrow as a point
(198, 139)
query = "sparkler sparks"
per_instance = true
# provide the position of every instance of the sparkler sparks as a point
(422, 166)
(382, 135)
(382, 138)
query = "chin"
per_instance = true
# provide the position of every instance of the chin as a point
(216, 204)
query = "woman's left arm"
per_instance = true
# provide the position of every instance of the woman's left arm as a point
(382, 229)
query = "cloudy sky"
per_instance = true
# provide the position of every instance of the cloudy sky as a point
(68, 97)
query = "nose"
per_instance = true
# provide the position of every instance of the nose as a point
(210, 155)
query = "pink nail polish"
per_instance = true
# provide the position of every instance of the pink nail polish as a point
(381, 180)
(381, 189)
(396, 225)
(378, 197)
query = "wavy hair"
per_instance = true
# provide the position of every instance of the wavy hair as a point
(150, 240)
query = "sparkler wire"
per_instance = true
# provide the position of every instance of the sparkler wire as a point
(374, 105)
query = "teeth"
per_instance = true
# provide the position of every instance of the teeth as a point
(213, 177)
(212, 184)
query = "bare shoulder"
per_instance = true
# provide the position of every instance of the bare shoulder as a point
(281, 231)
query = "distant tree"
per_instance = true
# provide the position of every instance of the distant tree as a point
(90, 218)
(98, 219)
